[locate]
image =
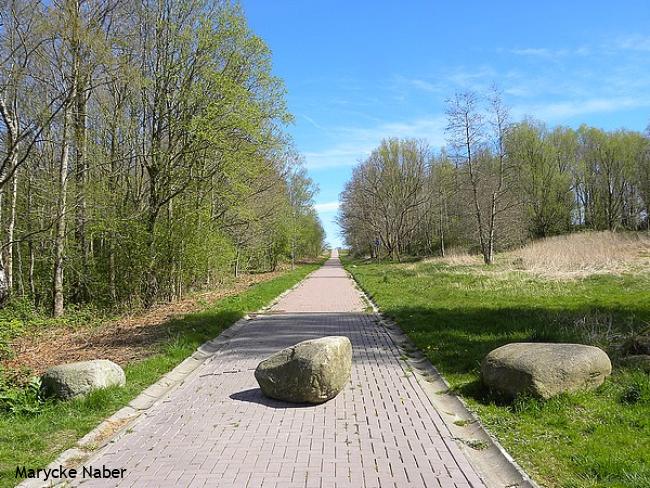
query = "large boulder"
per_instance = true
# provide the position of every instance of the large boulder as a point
(74, 379)
(311, 371)
(544, 370)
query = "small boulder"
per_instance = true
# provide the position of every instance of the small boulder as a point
(637, 361)
(74, 379)
(544, 370)
(312, 371)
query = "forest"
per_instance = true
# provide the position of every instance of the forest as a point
(143, 153)
(496, 185)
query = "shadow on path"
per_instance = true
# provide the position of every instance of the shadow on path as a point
(254, 395)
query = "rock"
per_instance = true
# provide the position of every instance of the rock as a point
(637, 345)
(311, 371)
(544, 370)
(74, 379)
(637, 361)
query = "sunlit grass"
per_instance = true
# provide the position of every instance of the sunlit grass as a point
(456, 314)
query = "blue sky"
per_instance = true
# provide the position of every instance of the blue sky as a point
(360, 71)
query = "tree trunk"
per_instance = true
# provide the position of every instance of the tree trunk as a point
(11, 225)
(68, 123)
(493, 216)
(59, 243)
(112, 288)
(4, 289)
(6, 256)
(151, 278)
(30, 242)
(81, 293)
(442, 229)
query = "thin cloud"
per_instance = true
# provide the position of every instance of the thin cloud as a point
(313, 122)
(356, 143)
(537, 52)
(633, 43)
(337, 156)
(327, 207)
(403, 83)
(548, 53)
(567, 109)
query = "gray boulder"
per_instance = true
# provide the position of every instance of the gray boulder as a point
(544, 370)
(74, 379)
(311, 371)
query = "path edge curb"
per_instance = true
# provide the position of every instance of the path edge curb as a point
(115, 426)
(498, 468)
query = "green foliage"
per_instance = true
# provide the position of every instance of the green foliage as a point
(13, 319)
(457, 314)
(22, 399)
(179, 173)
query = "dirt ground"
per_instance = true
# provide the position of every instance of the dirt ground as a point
(122, 340)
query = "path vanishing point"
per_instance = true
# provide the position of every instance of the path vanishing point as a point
(217, 430)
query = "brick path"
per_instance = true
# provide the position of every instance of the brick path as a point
(216, 429)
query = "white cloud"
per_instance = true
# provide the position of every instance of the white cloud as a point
(403, 84)
(548, 53)
(425, 85)
(563, 110)
(313, 122)
(536, 52)
(327, 207)
(358, 142)
(340, 155)
(633, 43)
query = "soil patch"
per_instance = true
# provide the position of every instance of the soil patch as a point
(131, 337)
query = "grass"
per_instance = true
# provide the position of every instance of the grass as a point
(38, 432)
(456, 314)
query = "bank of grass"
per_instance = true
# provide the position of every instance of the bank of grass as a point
(458, 313)
(37, 432)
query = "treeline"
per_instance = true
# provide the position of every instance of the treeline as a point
(142, 152)
(495, 185)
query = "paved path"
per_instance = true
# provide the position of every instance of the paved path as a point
(216, 429)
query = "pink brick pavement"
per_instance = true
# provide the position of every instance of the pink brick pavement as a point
(217, 430)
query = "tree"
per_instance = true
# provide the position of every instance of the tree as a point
(153, 159)
(487, 172)
(544, 187)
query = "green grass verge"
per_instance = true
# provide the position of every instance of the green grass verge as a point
(457, 314)
(39, 432)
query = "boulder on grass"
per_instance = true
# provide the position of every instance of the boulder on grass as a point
(74, 379)
(544, 370)
(312, 371)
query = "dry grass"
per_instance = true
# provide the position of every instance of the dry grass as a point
(581, 254)
(457, 257)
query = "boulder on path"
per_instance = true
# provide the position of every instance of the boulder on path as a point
(74, 379)
(544, 370)
(312, 371)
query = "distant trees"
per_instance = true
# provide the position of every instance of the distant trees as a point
(496, 184)
(385, 196)
(142, 152)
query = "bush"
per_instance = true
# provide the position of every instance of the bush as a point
(20, 399)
